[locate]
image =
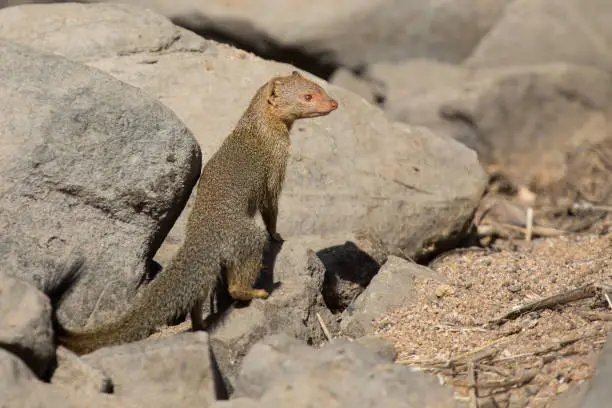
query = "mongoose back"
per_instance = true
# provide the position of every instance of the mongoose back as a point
(244, 176)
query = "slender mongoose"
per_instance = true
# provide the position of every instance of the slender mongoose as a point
(244, 176)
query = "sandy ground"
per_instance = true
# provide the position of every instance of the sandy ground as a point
(529, 360)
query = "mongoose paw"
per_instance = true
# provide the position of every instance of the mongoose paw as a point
(260, 294)
(276, 237)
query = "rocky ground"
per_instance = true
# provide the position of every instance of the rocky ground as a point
(534, 357)
(448, 228)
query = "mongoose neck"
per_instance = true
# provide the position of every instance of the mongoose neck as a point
(261, 118)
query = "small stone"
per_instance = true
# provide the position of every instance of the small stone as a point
(562, 388)
(444, 290)
(514, 288)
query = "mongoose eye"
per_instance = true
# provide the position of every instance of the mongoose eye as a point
(308, 97)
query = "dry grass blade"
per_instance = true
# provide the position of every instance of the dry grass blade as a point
(529, 224)
(324, 327)
(584, 292)
(608, 299)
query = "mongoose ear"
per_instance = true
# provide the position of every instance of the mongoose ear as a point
(295, 74)
(272, 92)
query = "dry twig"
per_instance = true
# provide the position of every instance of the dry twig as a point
(529, 224)
(518, 381)
(608, 299)
(501, 229)
(324, 327)
(584, 292)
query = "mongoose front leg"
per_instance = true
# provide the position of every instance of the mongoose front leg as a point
(269, 214)
(241, 279)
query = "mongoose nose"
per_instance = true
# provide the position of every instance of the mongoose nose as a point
(333, 104)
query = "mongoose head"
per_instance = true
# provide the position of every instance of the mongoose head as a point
(295, 97)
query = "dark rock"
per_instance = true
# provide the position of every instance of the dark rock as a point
(91, 164)
(279, 373)
(25, 324)
(392, 287)
(169, 372)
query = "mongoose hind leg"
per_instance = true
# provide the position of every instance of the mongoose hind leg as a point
(197, 322)
(241, 278)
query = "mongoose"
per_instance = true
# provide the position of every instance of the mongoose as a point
(244, 176)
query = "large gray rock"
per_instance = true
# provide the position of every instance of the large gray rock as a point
(542, 31)
(413, 89)
(73, 372)
(89, 163)
(168, 372)
(270, 359)
(99, 37)
(20, 388)
(391, 288)
(533, 124)
(350, 170)
(280, 373)
(25, 324)
(350, 33)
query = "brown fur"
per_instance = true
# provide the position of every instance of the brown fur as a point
(244, 176)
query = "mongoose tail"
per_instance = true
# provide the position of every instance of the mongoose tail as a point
(169, 294)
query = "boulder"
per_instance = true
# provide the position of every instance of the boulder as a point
(350, 170)
(98, 37)
(25, 324)
(538, 126)
(279, 372)
(533, 32)
(347, 79)
(343, 33)
(90, 163)
(20, 388)
(73, 372)
(157, 373)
